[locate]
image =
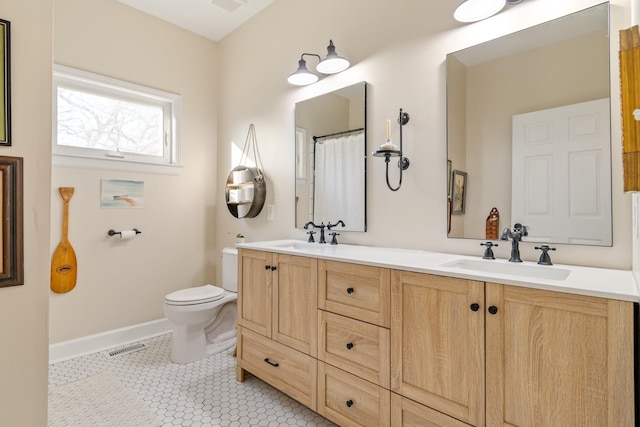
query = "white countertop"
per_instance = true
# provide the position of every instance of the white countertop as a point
(598, 282)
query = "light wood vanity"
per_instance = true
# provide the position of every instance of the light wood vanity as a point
(365, 344)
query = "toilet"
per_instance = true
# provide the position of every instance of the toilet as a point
(203, 318)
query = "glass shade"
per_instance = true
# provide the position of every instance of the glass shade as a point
(302, 76)
(477, 10)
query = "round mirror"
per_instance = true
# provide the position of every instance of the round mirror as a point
(245, 192)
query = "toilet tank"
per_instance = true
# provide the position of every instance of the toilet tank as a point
(230, 269)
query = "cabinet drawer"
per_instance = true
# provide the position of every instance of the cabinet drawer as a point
(288, 370)
(407, 413)
(358, 291)
(351, 401)
(357, 347)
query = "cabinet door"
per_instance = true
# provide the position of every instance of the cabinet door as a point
(295, 302)
(254, 291)
(437, 343)
(556, 359)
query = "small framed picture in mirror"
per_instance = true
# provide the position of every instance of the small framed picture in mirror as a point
(459, 189)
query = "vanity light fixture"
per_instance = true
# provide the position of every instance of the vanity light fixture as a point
(477, 10)
(331, 64)
(389, 149)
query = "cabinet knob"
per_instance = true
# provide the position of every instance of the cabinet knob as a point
(350, 290)
(474, 307)
(493, 309)
(276, 364)
(349, 403)
(267, 267)
(349, 345)
(273, 268)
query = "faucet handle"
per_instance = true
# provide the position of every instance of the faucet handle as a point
(545, 259)
(311, 233)
(488, 253)
(334, 240)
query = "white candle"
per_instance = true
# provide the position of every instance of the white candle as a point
(388, 130)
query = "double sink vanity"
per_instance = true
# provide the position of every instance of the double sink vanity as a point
(372, 336)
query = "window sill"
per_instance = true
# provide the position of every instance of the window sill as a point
(67, 161)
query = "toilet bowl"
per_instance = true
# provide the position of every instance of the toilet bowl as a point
(203, 318)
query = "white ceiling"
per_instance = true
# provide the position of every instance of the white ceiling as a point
(212, 19)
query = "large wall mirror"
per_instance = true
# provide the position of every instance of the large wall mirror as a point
(528, 128)
(330, 158)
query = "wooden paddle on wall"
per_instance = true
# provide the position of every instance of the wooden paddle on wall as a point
(64, 268)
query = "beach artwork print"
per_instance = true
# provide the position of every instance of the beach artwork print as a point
(118, 193)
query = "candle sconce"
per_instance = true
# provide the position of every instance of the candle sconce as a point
(388, 150)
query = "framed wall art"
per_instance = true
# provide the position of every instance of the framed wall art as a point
(11, 231)
(459, 189)
(5, 83)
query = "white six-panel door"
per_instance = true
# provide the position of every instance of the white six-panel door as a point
(561, 173)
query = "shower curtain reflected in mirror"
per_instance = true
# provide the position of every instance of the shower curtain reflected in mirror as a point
(339, 192)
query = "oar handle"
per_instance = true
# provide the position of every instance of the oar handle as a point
(66, 193)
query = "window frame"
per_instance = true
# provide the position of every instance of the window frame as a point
(170, 103)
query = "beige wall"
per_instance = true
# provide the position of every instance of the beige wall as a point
(23, 309)
(121, 283)
(404, 66)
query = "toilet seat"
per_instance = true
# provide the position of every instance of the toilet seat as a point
(197, 295)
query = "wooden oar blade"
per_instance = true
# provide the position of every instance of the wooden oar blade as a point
(64, 268)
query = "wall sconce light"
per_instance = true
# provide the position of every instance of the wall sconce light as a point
(331, 64)
(477, 10)
(389, 149)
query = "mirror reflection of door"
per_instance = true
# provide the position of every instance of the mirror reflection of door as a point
(560, 171)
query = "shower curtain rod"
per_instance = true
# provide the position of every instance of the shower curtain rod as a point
(315, 138)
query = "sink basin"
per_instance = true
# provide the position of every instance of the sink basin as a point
(302, 246)
(512, 269)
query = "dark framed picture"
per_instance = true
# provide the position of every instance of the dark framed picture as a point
(5, 86)
(459, 189)
(11, 231)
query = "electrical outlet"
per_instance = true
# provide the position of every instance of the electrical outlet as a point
(270, 212)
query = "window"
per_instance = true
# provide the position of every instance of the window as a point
(104, 118)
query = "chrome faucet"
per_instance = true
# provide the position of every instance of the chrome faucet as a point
(519, 231)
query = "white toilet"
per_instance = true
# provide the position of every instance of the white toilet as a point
(204, 318)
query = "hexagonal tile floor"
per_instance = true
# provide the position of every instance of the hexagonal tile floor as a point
(203, 393)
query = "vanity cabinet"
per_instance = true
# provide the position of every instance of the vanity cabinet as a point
(550, 358)
(370, 346)
(277, 321)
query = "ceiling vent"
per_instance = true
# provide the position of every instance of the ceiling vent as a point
(229, 5)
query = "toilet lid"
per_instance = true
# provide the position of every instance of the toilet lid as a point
(197, 295)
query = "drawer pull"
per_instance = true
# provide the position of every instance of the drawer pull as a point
(349, 403)
(271, 363)
(350, 290)
(349, 345)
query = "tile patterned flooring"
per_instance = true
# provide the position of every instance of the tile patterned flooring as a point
(203, 393)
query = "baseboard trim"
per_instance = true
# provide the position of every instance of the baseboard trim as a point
(66, 350)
